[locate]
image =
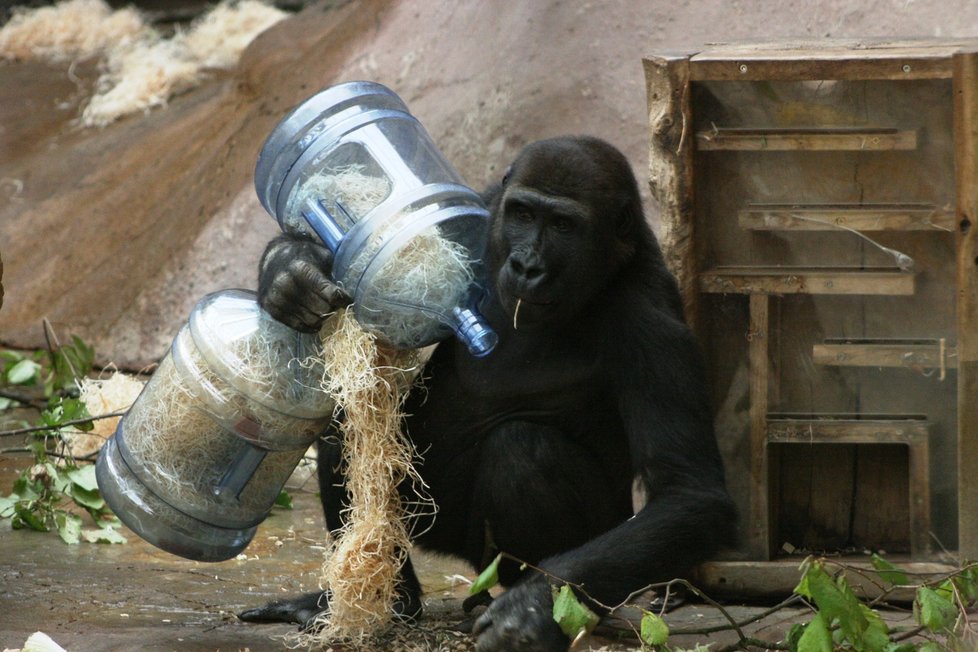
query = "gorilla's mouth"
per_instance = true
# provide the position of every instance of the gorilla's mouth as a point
(531, 308)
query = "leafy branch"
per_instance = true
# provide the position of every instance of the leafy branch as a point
(49, 493)
(841, 621)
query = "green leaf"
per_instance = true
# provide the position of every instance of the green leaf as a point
(84, 477)
(11, 356)
(25, 489)
(7, 504)
(488, 578)
(816, 637)
(654, 630)
(931, 646)
(901, 647)
(74, 409)
(87, 499)
(103, 535)
(967, 584)
(876, 636)
(571, 614)
(284, 500)
(58, 482)
(23, 373)
(933, 610)
(69, 526)
(793, 636)
(834, 599)
(70, 362)
(888, 572)
(26, 518)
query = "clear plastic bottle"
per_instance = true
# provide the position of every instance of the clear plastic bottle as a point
(198, 461)
(353, 167)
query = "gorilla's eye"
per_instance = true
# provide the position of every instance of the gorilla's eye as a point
(522, 214)
(563, 224)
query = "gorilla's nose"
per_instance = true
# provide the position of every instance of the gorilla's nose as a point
(526, 268)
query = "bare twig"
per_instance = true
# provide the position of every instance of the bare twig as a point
(30, 401)
(63, 456)
(72, 422)
(695, 631)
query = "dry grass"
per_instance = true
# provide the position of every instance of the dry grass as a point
(361, 565)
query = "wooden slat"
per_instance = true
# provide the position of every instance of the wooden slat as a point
(920, 521)
(814, 139)
(965, 88)
(827, 59)
(883, 353)
(835, 217)
(807, 280)
(842, 429)
(760, 475)
(777, 579)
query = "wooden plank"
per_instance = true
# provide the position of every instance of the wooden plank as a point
(882, 518)
(760, 524)
(858, 217)
(811, 139)
(828, 59)
(671, 168)
(807, 280)
(846, 429)
(921, 543)
(909, 354)
(778, 578)
(966, 177)
(815, 500)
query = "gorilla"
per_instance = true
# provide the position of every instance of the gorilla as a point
(596, 387)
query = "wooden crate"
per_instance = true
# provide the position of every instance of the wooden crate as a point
(816, 202)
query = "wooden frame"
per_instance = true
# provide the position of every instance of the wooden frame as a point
(674, 141)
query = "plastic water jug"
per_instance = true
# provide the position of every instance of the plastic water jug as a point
(353, 167)
(199, 460)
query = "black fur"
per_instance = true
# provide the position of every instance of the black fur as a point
(533, 449)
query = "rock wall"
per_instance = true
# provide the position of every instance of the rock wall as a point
(114, 234)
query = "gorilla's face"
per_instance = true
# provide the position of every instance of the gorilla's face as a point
(554, 244)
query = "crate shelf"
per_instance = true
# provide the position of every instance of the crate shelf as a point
(888, 281)
(843, 428)
(911, 430)
(910, 354)
(806, 139)
(836, 217)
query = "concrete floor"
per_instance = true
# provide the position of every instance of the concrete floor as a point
(90, 597)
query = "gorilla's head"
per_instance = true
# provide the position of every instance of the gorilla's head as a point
(565, 220)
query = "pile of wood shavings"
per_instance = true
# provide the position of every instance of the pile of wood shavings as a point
(101, 396)
(140, 69)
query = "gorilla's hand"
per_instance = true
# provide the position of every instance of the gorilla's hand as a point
(294, 284)
(301, 610)
(521, 620)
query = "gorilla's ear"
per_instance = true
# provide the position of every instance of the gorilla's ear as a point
(491, 195)
(630, 218)
(495, 190)
(627, 227)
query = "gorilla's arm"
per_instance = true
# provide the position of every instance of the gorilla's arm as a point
(659, 379)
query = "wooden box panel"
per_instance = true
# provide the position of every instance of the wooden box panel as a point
(816, 205)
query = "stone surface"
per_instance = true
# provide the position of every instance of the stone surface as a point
(114, 234)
